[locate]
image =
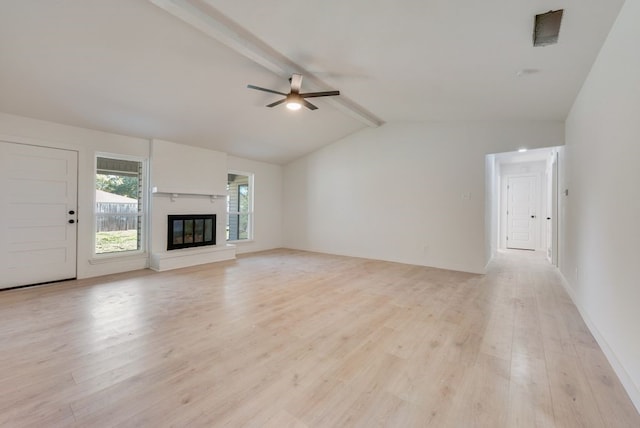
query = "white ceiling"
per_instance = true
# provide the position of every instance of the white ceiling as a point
(129, 67)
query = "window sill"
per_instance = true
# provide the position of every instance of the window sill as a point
(240, 241)
(114, 258)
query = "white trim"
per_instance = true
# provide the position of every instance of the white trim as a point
(146, 204)
(485, 269)
(250, 212)
(173, 195)
(118, 257)
(240, 241)
(553, 172)
(627, 382)
(52, 144)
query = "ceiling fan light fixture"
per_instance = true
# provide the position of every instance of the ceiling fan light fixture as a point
(294, 105)
(294, 101)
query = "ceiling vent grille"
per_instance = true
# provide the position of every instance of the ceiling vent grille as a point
(547, 28)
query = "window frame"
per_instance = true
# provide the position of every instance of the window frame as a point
(143, 209)
(250, 211)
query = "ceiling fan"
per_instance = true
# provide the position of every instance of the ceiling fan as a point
(294, 99)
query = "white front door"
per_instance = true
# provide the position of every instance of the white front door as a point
(38, 207)
(521, 212)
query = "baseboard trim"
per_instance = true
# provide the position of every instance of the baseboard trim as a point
(627, 383)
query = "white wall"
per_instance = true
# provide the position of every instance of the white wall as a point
(87, 143)
(179, 168)
(176, 168)
(267, 204)
(405, 192)
(601, 255)
(268, 196)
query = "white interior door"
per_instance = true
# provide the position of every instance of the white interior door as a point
(38, 207)
(521, 212)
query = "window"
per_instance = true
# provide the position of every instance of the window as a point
(119, 209)
(239, 206)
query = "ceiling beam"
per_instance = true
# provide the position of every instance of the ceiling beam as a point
(204, 17)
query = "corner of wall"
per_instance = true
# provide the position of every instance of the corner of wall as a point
(627, 382)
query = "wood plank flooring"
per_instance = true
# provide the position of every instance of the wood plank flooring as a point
(296, 339)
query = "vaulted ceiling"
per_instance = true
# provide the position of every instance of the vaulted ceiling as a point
(131, 67)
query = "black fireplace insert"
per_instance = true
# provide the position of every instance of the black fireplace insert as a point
(191, 230)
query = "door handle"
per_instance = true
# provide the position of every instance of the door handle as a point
(72, 221)
(533, 216)
(548, 218)
(72, 212)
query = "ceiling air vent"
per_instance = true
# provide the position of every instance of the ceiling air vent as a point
(547, 28)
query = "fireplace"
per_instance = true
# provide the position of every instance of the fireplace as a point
(191, 230)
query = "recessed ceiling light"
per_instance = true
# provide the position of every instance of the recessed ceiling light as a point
(522, 150)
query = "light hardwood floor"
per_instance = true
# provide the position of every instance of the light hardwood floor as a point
(295, 339)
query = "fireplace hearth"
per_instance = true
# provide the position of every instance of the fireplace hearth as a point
(191, 230)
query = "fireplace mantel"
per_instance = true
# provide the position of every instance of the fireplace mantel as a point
(174, 194)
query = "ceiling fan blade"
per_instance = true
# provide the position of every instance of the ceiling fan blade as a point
(265, 90)
(320, 94)
(308, 105)
(296, 83)
(277, 103)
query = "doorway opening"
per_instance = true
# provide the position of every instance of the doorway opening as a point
(522, 201)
